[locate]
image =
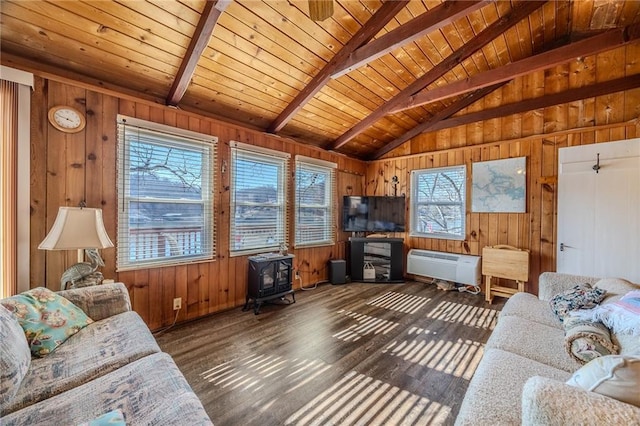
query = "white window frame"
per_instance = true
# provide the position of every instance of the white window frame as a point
(328, 169)
(415, 204)
(179, 138)
(272, 158)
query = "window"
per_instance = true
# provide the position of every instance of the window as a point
(314, 206)
(438, 206)
(165, 187)
(258, 199)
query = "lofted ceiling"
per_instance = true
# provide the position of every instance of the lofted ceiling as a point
(361, 82)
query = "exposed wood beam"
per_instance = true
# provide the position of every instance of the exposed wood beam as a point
(587, 47)
(519, 12)
(199, 41)
(387, 11)
(436, 118)
(431, 20)
(571, 95)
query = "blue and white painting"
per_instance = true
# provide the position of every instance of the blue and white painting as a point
(499, 186)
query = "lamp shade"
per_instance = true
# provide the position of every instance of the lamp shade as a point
(77, 228)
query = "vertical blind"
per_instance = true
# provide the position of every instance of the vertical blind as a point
(314, 205)
(259, 219)
(165, 195)
(8, 188)
(439, 202)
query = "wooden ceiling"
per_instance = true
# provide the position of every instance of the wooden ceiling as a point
(370, 77)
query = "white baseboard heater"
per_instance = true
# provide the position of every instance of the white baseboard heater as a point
(458, 268)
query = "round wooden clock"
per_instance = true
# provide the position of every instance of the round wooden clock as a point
(66, 119)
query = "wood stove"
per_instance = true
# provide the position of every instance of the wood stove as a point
(270, 277)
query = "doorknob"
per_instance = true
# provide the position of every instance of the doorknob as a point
(563, 246)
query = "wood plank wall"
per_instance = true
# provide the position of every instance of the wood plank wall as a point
(69, 168)
(537, 135)
(66, 169)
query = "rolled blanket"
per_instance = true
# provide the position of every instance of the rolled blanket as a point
(585, 340)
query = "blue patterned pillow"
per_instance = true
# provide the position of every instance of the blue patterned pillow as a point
(581, 296)
(46, 318)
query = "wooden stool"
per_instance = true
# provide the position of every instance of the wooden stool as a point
(503, 261)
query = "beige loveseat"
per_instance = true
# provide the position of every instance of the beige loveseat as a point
(113, 363)
(521, 376)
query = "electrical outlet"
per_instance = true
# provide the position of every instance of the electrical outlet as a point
(177, 303)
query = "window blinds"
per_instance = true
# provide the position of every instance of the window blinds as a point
(165, 195)
(438, 206)
(259, 219)
(314, 202)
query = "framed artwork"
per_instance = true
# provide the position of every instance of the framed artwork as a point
(499, 186)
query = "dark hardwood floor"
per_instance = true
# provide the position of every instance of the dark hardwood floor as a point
(379, 354)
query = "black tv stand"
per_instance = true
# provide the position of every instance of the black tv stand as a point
(384, 254)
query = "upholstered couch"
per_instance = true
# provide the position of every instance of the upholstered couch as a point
(521, 376)
(112, 364)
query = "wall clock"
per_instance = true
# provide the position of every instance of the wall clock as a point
(66, 119)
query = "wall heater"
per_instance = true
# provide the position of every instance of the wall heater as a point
(458, 268)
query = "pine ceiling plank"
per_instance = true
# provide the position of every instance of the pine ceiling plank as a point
(263, 61)
(561, 55)
(581, 16)
(563, 18)
(81, 57)
(290, 19)
(536, 23)
(427, 22)
(518, 13)
(569, 95)
(154, 18)
(605, 14)
(111, 26)
(630, 13)
(243, 23)
(199, 41)
(429, 124)
(377, 21)
(549, 19)
(51, 19)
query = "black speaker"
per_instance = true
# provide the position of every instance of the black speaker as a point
(337, 271)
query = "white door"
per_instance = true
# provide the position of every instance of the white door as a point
(599, 210)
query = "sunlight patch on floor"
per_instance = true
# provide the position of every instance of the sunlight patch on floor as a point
(399, 302)
(250, 373)
(365, 325)
(471, 316)
(358, 399)
(459, 358)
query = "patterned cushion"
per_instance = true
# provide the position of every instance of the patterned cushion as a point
(46, 318)
(14, 355)
(586, 340)
(579, 297)
(149, 391)
(615, 376)
(94, 351)
(112, 418)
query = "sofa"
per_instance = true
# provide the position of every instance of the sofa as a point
(522, 375)
(112, 365)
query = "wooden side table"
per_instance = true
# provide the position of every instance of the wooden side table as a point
(508, 262)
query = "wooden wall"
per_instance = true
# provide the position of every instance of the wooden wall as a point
(537, 135)
(66, 169)
(69, 168)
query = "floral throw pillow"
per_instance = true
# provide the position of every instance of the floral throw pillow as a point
(46, 318)
(581, 296)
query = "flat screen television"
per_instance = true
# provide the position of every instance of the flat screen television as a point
(373, 214)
